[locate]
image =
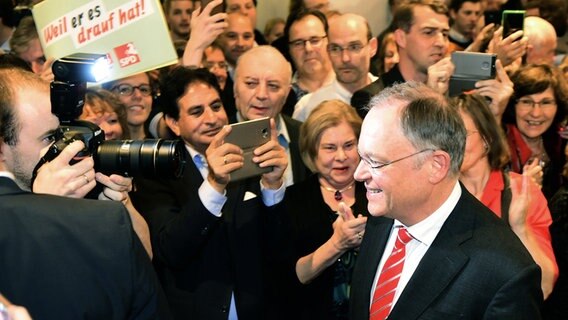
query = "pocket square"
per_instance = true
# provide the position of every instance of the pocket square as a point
(249, 195)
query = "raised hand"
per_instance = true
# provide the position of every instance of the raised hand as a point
(222, 159)
(272, 154)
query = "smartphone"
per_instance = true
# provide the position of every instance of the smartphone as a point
(512, 21)
(470, 67)
(217, 9)
(492, 16)
(249, 135)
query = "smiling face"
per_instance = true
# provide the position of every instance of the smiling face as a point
(337, 156)
(534, 121)
(262, 83)
(427, 40)
(201, 116)
(138, 105)
(393, 190)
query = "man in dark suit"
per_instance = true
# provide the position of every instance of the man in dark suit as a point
(211, 235)
(421, 32)
(63, 258)
(262, 84)
(459, 260)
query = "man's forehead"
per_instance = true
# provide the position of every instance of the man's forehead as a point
(425, 15)
(239, 23)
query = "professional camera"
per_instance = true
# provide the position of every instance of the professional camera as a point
(147, 158)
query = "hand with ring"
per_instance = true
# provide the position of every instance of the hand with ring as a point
(222, 159)
(348, 230)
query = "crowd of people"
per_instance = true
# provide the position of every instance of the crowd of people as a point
(385, 198)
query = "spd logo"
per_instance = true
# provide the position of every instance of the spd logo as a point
(127, 55)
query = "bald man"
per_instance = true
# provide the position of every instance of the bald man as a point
(542, 41)
(262, 83)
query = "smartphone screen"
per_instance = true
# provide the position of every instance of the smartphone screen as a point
(513, 21)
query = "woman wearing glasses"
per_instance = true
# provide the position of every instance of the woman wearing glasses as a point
(324, 240)
(136, 93)
(513, 197)
(532, 120)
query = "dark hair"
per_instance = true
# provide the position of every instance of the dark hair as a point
(485, 123)
(176, 82)
(382, 52)
(7, 13)
(298, 15)
(404, 16)
(456, 5)
(427, 121)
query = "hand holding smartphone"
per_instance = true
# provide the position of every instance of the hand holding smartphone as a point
(512, 21)
(249, 135)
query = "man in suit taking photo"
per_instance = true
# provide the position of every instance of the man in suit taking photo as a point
(431, 251)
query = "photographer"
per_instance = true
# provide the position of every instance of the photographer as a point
(34, 131)
(64, 258)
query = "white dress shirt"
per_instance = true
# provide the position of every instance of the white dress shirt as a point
(423, 234)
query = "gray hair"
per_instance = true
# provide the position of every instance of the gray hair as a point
(427, 120)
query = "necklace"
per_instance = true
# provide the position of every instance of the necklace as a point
(338, 194)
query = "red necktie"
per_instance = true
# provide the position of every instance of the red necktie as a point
(388, 279)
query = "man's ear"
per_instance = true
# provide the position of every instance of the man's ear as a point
(400, 38)
(373, 45)
(439, 166)
(173, 125)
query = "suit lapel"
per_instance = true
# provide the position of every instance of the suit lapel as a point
(440, 265)
(376, 236)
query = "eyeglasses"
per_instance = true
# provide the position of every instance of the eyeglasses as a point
(300, 44)
(352, 48)
(211, 65)
(529, 104)
(127, 90)
(375, 166)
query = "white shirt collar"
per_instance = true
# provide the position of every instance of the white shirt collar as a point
(426, 230)
(8, 175)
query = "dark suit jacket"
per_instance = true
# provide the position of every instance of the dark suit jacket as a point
(476, 268)
(362, 97)
(66, 258)
(202, 259)
(299, 169)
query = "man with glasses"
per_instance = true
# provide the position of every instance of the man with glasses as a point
(136, 93)
(421, 30)
(306, 31)
(431, 249)
(351, 46)
(446, 245)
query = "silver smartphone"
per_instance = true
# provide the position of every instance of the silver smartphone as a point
(249, 135)
(470, 67)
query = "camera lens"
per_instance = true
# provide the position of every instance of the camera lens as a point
(141, 158)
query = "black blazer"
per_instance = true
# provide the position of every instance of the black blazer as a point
(362, 97)
(299, 170)
(201, 259)
(66, 258)
(476, 268)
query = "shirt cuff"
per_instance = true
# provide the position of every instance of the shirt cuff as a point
(212, 200)
(271, 197)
